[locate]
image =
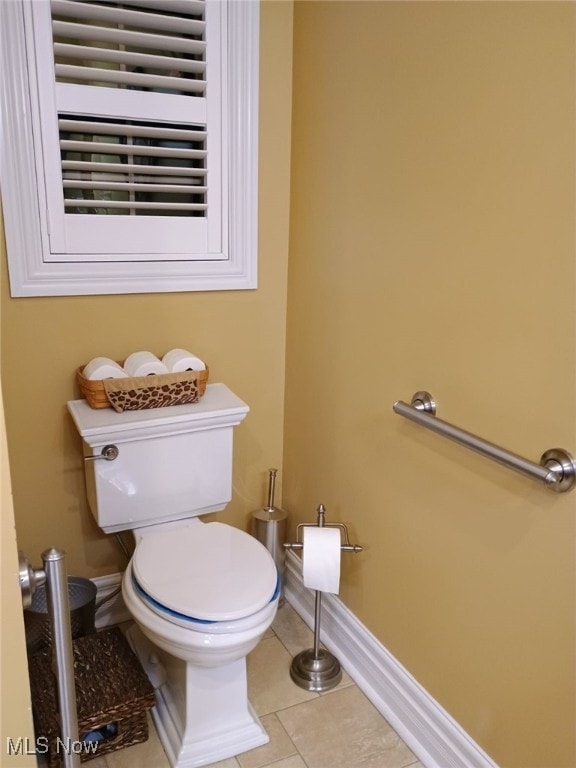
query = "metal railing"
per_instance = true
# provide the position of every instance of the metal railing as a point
(557, 468)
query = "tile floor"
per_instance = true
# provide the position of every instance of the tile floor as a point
(336, 729)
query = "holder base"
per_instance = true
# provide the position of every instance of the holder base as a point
(316, 673)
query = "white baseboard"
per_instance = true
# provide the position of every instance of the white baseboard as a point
(426, 728)
(113, 611)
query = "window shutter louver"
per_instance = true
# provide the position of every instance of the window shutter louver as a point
(125, 37)
(152, 165)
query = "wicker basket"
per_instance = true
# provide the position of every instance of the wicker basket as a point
(95, 394)
(113, 696)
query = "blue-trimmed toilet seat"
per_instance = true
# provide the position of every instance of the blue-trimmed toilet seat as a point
(189, 621)
(201, 575)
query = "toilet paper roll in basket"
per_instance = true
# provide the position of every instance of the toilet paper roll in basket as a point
(178, 360)
(321, 555)
(103, 368)
(143, 364)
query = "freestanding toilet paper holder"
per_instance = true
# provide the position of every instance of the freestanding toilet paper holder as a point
(316, 669)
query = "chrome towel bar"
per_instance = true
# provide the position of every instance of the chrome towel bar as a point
(557, 468)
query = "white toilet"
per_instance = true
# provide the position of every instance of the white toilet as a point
(201, 594)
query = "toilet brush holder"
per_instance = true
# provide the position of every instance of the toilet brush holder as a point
(269, 527)
(316, 669)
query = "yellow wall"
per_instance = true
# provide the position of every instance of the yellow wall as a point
(15, 708)
(432, 247)
(241, 334)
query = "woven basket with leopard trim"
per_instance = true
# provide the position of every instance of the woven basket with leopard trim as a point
(143, 392)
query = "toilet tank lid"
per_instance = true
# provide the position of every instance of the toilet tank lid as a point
(218, 407)
(212, 571)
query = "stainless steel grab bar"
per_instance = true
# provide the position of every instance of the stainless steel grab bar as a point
(557, 468)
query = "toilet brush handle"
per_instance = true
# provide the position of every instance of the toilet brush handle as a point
(271, 487)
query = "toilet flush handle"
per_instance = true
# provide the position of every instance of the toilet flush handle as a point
(109, 453)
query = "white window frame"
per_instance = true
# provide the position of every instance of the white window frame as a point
(33, 272)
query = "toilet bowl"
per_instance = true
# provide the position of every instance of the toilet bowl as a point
(201, 594)
(212, 643)
(205, 592)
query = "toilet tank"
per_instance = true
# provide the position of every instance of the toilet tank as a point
(172, 463)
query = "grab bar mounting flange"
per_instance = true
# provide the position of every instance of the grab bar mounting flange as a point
(424, 401)
(561, 462)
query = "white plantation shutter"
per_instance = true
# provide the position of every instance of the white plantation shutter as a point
(143, 124)
(172, 165)
(123, 95)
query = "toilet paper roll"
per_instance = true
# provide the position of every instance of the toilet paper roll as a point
(321, 558)
(103, 368)
(143, 364)
(178, 360)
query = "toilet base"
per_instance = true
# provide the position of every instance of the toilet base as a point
(202, 714)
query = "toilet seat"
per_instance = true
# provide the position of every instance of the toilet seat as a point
(204, 573)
